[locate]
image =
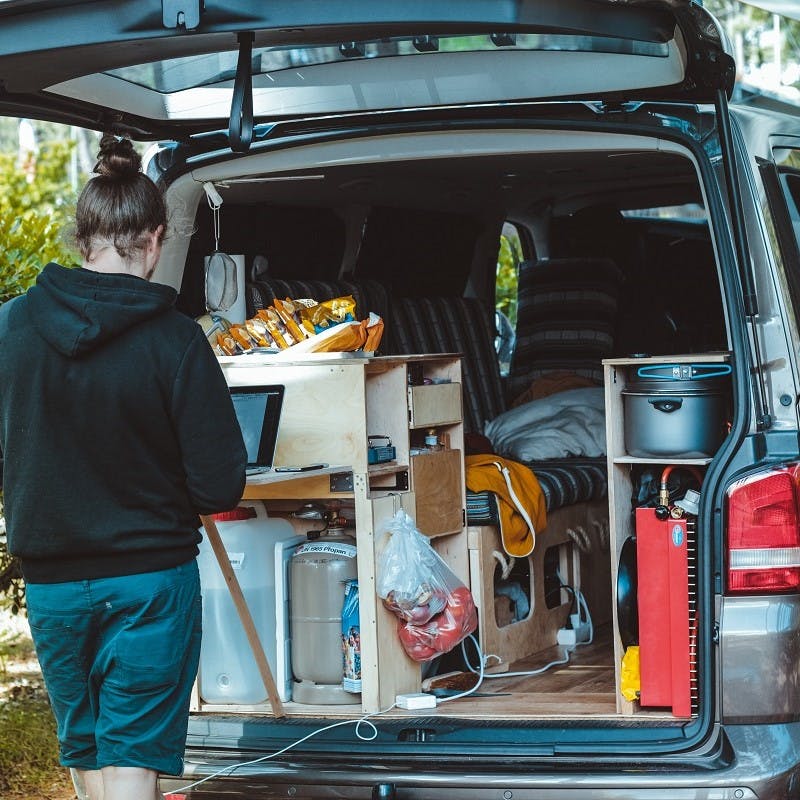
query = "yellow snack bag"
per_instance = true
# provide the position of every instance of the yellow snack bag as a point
(273, 322)
(239, 333)
(285, 309)
(339, 338)
(630, 682)
(333, 312)
(303, 311)
(227, 344)
(258, 332)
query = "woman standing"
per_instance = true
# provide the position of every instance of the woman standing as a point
(117, 430)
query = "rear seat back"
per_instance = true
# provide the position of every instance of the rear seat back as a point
(566, 318)
(369, 295)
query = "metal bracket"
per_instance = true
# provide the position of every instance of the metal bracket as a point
(342, 482)
(181, 13)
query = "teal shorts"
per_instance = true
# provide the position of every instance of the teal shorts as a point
(119, 657)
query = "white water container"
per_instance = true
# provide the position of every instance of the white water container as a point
(259, 549)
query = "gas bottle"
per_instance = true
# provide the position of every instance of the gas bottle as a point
(319, 572)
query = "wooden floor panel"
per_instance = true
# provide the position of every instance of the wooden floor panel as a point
(584, 687)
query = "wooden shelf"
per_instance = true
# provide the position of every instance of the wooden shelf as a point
(717, 357)
(386, 468)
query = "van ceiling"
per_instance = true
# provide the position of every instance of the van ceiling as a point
(513, 184)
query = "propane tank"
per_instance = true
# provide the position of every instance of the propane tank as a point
(319, 572)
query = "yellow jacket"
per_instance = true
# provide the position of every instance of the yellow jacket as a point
(520, 500)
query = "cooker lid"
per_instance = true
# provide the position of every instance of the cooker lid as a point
(682, 372)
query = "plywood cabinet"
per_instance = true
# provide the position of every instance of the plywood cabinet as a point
(618, 374)
(332, 406)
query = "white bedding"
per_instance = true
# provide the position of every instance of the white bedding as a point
(565, 424)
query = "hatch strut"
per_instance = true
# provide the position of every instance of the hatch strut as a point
(240, 129)
(763, 418)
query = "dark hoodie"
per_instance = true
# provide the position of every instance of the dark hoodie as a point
(116, 427)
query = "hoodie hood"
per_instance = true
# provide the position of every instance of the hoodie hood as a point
(78, 310)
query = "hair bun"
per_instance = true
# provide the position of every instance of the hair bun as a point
(117, 158)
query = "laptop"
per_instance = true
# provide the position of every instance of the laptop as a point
(258, 409)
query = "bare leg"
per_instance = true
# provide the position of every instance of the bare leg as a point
(130, 783)
(88, 784)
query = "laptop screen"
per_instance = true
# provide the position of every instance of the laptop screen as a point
(258, 409)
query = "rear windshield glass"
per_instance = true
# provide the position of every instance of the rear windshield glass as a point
(176, 74)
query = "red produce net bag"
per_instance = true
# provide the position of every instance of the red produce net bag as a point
(435, 609)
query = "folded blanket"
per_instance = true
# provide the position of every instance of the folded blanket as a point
(562, 425)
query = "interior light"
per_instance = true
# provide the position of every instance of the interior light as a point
(352, 49)
(426, 44)
(503, 39)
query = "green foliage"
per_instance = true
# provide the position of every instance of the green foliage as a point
(508, 258)
(36, 202)
(28, 748)
(12, 590)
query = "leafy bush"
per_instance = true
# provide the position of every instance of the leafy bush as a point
(36, 204)
(508, 258)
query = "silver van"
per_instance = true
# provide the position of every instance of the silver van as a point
(648, 646)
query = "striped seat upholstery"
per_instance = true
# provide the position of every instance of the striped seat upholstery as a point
(454, 325)
(564, 482)
(566, 318)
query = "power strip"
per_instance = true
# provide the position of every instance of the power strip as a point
(415, 701)
(570, 637)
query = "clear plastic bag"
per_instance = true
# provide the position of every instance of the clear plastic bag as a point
(435, 608)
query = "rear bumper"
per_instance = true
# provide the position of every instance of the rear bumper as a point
(762, 761)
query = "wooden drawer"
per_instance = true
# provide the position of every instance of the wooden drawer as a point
(434, 404)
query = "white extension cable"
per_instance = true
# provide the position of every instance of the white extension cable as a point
(366, 718)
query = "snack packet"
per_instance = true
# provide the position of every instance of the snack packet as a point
(227, 344)
(331, 312)
(258, 332)
(374, 330)
(275, 327)
(286, 311)
(239, 333)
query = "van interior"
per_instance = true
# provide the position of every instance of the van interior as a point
(615, 261)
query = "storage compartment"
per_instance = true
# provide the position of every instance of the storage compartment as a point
(435, 404)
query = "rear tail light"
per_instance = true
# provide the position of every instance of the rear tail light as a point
(764, 532)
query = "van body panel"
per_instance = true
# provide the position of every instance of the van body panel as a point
(760, 636)
(754, 761)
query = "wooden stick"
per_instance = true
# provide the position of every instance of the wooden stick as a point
(244, 614)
